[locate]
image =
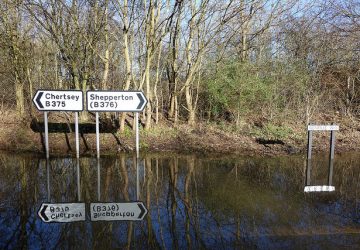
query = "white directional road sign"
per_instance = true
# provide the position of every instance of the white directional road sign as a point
(59, 100)
(62, 212)
(323, 127)
(129, 211)
(115, 101)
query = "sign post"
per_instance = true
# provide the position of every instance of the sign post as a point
(332, 128)
(46, 135)
(59, 100)
(116, 101)
(77, 134)
(97, 136)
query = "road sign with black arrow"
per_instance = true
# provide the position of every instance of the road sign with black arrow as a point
(126, 211)
(115, 101)
(58, 100)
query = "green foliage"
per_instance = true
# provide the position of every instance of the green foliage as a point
(271, 131)
(128, 132)
(238, 87)
(143, 145)
(269, 88)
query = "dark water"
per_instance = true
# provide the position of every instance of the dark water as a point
(194, 202)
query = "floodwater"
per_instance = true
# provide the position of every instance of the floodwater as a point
(193, 202)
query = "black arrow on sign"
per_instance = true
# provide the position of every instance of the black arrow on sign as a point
(42, 212)
(143, 210)
(38, 99)
(142, 100)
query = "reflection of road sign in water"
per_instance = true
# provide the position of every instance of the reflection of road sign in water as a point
(62, 212)
(59, 100)
(115, 101)
(117, 211)
(324, 188)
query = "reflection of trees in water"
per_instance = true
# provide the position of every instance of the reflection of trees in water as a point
(258, 199)
(15, 185)
(24, 213)
(192, 202)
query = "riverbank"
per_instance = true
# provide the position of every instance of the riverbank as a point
(251, 138)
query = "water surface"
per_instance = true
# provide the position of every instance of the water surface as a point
(194, 202)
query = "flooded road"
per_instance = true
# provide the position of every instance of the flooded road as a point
(193, 202)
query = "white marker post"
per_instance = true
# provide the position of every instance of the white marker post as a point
(59, 100)
(77, 134)
(97, 136)
(46, 135)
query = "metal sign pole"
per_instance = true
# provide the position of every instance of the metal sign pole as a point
(331, 158)
(46, 135)
(332, 128)
(309, 145)
(97, 135)
(308, 162)
(77, 134)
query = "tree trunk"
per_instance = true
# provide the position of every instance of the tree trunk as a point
(106, 70)
(19, 89)
(190, 107)
(148, 94)
(28, 75)
(84, 115)
(127, 59)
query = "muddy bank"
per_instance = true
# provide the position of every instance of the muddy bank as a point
(203, 138)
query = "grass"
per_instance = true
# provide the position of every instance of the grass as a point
(271, 131)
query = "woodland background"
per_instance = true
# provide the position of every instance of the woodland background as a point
(210, 61)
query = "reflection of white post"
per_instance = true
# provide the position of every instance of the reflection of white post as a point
(46, 135)
(137, 155)
(97, 136)
(331, 158)
(78, 178)
(137, 180)
(98, 177)
(48, 179)
(77, 134)
(137, 134)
